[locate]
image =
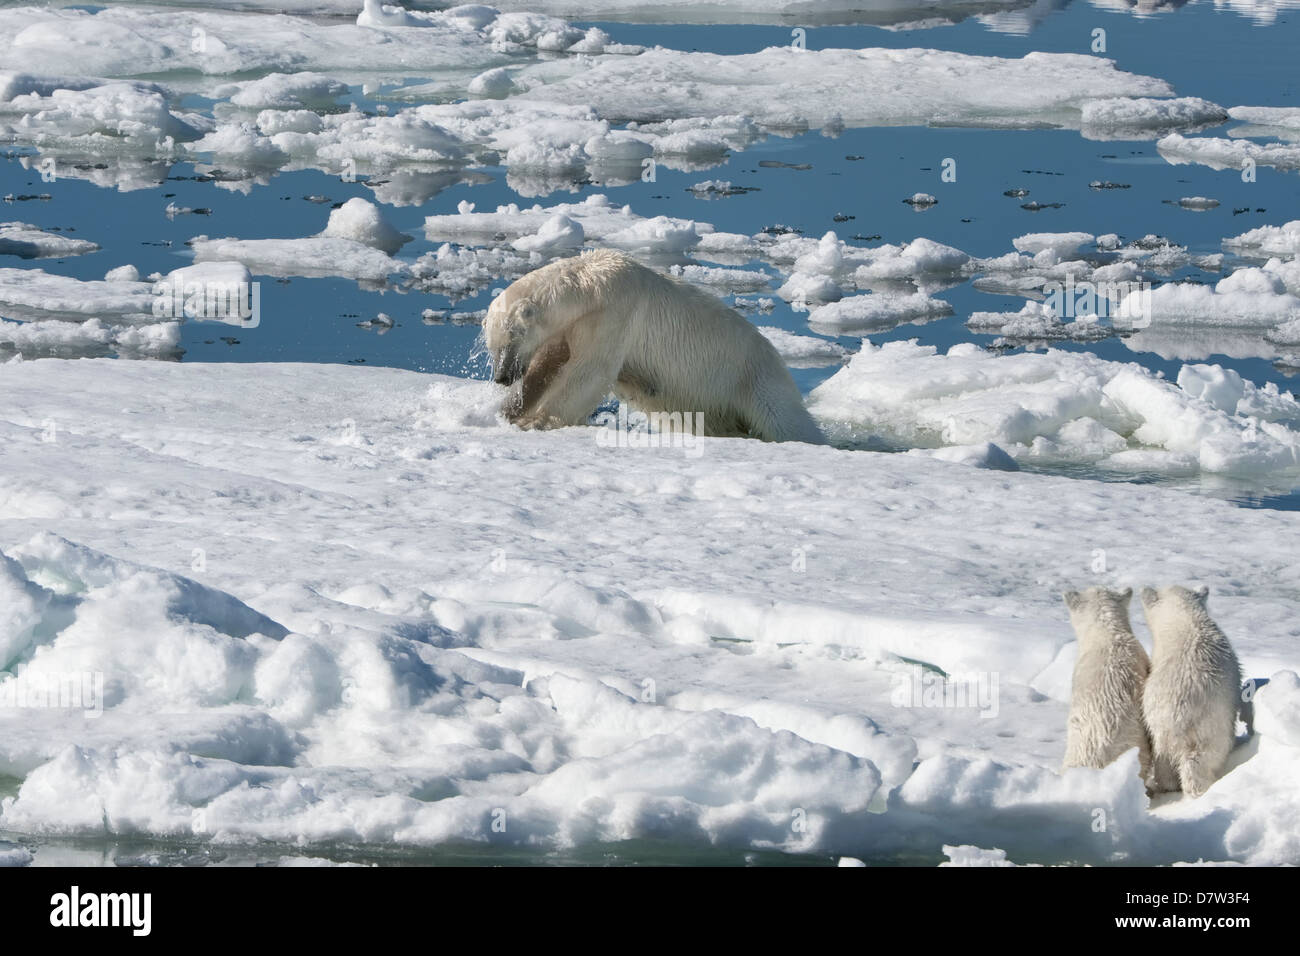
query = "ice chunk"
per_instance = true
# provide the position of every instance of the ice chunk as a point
(876, 312)
(1267, 241)
(284, 91)
(1141, 118)
(804, 351)
(32, 294)
(32, 242)
(1227, 153)
(1061, 405)
(361, 221)
(557, 235)
(311, 256)
(1059, 244)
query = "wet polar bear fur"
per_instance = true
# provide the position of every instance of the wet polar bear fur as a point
(1190, 701)
(1109, 675)
(566, 335)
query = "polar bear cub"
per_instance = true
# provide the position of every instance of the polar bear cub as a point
(1190, 700)
(566, 335)
(1109, 674)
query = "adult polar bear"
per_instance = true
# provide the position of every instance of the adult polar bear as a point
(566, 335)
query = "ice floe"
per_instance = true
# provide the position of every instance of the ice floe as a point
(300, 666)
(840, 87)
(1219, 153)
(134, 41)
(357, 243)
(31, 242)
(804, 351)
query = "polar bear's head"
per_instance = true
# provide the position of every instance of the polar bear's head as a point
(1173, 604)
(1098, 606)
(539, 307)
(512, 331)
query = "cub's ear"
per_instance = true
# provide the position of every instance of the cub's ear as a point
(1126, 595)
(1150, 596)
(1072, 599)
(1202, 593)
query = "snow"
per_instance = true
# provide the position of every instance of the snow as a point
(349, 636)
(324, 604)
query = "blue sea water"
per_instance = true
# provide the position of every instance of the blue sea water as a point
(1203, 50)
